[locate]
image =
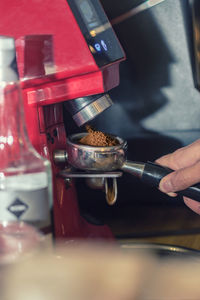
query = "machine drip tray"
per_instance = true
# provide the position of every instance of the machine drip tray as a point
(161, 250)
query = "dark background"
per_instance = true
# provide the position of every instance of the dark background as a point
(156, 106)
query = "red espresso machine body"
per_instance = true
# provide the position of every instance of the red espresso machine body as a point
(65, 50)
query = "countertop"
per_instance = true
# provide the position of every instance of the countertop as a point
(173, 225)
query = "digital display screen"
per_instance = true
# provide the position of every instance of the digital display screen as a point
(97, 31)
(88, 13)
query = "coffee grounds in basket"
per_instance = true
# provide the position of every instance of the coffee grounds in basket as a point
(98, 138)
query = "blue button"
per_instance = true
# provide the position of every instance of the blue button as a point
(104, 45)
(97, 46)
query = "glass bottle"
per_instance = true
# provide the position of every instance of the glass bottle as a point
(25, 176)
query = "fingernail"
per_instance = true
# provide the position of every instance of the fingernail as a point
(172, 194)
(166, 186)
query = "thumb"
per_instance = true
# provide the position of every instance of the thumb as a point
(180, 179)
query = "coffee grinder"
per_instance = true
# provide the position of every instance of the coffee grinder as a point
(68, 55)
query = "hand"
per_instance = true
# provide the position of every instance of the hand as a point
(186, 163)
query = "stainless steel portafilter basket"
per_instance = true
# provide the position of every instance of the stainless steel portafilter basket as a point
(98, 161)
(91, 158)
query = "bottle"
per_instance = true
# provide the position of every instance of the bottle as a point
(25, 176)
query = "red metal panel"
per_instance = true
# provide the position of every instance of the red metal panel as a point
(22, 17)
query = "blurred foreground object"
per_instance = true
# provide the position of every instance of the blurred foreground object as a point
(25, 176)
(84, 272)
(18, 241)
(100, 272)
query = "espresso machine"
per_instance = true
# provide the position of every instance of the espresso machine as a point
(67, 55)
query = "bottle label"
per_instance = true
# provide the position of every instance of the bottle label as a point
(24, 205)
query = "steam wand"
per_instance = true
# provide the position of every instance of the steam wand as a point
(151, 174)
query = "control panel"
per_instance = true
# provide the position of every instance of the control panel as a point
(97, 31)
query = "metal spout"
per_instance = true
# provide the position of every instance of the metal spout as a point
(134, 168)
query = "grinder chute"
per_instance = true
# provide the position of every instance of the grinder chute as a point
(84, 109)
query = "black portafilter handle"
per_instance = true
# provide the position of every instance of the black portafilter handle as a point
(153, 173)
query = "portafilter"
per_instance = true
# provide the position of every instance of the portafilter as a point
(110, 158)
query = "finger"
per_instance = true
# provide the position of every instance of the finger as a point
(193, 205)
(180, 179)
(172, 194)
(181, 158)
